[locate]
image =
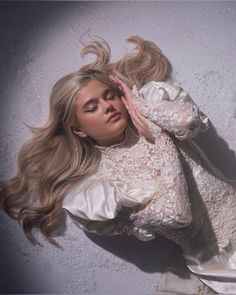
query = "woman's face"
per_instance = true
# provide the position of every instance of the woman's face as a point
(100, 113)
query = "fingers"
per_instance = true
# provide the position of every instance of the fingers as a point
(140, 116)
(119, 83)
(117, 80)
(138, 119)
(133, 109)
(125, 102)
(113, 78)
(122, 85)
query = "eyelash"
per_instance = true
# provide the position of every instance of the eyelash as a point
(111, 97)
(90, 110)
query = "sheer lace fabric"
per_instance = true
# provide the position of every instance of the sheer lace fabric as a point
(156, 166)
(181, 195)
(171, 108)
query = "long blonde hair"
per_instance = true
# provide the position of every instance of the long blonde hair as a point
(55, 159)
(146, 62)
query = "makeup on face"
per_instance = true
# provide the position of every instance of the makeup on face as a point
(101, 113)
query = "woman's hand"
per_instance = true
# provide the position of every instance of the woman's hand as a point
(139, 121)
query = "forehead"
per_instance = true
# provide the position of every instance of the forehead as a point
(92, 89)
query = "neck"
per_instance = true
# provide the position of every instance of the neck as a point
(111, 141)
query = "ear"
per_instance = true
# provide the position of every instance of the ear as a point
(78, 132)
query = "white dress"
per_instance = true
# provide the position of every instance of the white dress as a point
(168, 187)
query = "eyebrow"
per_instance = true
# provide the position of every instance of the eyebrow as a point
(92, 99)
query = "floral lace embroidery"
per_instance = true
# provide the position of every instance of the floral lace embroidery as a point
(194, 204)
(178, 114)
(148, 165)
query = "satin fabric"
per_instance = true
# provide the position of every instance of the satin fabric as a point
(218, 272)
(99, 199)
(93, 199)
(166, 91)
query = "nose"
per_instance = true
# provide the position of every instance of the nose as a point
(108, 107)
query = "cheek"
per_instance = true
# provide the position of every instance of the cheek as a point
(90, 122)
(121, 107)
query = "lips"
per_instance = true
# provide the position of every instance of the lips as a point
(113, 115)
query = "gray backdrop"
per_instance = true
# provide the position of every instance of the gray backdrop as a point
(39, 44)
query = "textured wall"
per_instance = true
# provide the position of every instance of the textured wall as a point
(39, 44)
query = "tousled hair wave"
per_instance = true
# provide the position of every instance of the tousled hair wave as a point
(55, 159)
(146, 62)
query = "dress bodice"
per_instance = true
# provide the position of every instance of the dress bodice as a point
(151, 174)
(133, 160)
(167, 187)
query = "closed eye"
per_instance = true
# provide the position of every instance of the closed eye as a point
(91, 108)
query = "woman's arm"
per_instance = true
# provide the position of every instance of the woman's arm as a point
(171, 108)
(172, 207)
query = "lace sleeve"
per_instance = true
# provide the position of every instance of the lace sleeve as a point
(171, 206)
(171, 108)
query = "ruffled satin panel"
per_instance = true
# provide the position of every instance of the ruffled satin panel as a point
(218, 272)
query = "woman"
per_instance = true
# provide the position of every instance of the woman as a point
(121, 160)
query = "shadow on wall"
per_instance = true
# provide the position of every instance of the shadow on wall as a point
(217, 151)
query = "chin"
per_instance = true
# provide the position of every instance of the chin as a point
(123, 122)
(119, 127)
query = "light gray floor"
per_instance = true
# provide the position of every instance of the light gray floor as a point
(39, 44)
